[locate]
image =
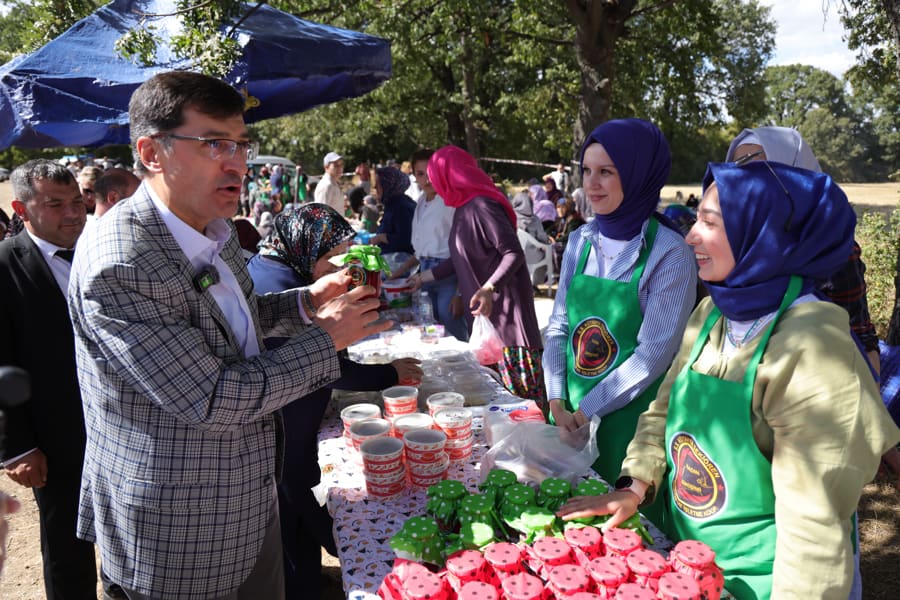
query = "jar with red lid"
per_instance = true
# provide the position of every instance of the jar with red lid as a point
(697, 560)
(621, 542)
(632, 591)
(585, 596)
(608, 573)
(586, 543)
(646, 568)
(478, 590)
(548, 552)
(678, 586)
(505, 559)
(523, 586)
(424, 586)
(465, 566)
(566, 580)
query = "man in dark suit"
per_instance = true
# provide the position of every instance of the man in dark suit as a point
(46, 437)
(180, 397)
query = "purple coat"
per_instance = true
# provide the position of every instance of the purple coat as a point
(484, 247)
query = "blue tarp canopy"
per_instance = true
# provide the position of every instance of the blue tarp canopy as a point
(74, 91)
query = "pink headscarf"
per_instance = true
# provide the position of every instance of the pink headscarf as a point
(456, 178)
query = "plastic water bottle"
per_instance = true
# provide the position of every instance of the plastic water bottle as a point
(424, 312)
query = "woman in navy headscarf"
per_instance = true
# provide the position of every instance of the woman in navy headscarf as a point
(769, 423)
(627, 286)
(394, 234)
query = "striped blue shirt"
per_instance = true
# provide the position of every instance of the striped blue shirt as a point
(666, 292)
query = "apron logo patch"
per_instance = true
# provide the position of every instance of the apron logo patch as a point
(698, 487)
(594, 347)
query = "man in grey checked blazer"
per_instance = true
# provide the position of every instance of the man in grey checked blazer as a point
(182, 444)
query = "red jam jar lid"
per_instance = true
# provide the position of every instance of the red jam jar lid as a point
(423, 586)
(584, 537)
(622, 541)
(465, 564)
(523, 586)
(608, 570)
(693, 553)
(678, 586)
(568, 579)
(478, 590)
(584, 596)
(503, 556)
(632, 591)
(551, 550)
(646, 563)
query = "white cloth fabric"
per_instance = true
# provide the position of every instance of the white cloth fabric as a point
(203, 251)
(328, 191)
(431, 227)
(58, 266)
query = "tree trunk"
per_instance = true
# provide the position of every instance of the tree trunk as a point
(598, 26)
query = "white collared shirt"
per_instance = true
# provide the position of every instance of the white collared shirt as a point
(60, 267)
(203, 251)
(431, 227)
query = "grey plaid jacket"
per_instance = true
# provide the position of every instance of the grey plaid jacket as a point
(180, 462)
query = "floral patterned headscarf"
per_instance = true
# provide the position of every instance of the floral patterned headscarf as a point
(304, 235)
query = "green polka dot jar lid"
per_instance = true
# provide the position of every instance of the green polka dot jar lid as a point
(499, 478)
(519, 493)
(476, 505)
(591, 487)
(556, 488)
(449, 489)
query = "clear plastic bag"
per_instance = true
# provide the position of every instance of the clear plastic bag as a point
(485, 342)
(535, 451)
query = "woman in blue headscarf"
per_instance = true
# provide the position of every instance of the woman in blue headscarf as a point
(627, 286)
(769, 423)
(394, 234)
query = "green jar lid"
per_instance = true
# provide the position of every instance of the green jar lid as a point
(476, 504)
(591, 487)
(449, 489)
(519, 493)
(420, 528)
(499, 478)
(555, 488)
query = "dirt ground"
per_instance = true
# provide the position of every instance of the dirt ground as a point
(879, 511)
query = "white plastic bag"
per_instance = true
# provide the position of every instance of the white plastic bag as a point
(535, 451)
(485, 342)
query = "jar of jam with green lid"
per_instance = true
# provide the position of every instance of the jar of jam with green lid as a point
(444, 499)
(553, 493)
(496, 482)
(419, 540)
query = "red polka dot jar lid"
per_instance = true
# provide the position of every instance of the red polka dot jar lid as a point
(585, 596)
(478, 590)
(586, 538)
(609, 571)
(678, 586)
(693, 553)
(503, 556)
(423, 586)
(523, 587)
(568, 579)
(466, 564)
(552, 551)
(632, 591)
(646, 563)
(621, 541)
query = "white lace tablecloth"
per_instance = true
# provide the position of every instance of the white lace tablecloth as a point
(362, 527)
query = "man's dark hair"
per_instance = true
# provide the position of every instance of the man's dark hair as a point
(356, 196)
(423, 154)
(24, 176)
(158, 104)
(112, 179)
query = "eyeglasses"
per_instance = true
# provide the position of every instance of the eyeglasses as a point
(748, 158)
(219, 148)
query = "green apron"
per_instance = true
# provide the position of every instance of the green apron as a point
(599, 344)
(720, 484)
